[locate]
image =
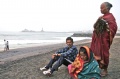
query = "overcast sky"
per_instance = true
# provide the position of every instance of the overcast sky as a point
(52, 15)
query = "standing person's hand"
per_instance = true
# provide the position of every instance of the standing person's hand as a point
(100, 17)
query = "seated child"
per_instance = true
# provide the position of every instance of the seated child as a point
(84, 66)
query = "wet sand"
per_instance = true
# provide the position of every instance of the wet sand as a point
(24, 63)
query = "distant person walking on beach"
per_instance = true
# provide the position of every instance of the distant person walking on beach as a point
(104, 31)
(62, 56)
(7, 44)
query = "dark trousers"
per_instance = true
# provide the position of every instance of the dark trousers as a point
(58, 60)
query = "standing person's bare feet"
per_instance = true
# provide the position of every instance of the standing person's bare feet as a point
(104, 73)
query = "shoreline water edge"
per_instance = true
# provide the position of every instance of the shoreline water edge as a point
(19, 53)
(32, 39)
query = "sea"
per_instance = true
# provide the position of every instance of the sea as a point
(27, 39)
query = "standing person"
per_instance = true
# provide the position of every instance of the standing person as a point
(101, 43)
(5, 45)
(62, 56)
(84, 66)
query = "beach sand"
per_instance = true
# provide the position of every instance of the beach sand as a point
(24, 63)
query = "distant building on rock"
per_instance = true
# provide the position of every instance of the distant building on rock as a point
(42, 30)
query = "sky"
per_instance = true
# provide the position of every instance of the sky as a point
(52, 15)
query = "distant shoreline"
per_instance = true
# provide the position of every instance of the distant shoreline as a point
(19, 53)
(82, 35)
(17, 46)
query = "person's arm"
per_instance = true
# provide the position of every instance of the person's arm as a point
(58, 53)
(70, 51)
(61, 50)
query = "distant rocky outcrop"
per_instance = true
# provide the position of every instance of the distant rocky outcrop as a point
(26, 30)
(118, 34)
(82, 35)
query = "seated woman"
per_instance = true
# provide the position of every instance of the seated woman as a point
(84, 66)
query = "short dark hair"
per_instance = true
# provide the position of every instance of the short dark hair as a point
(82, 49)
(69, 38)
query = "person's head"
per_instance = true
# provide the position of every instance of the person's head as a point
(105, 7)
(69, 41)
(83, 54)
(4, 40)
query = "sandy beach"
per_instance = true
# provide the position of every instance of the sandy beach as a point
(24, 63)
